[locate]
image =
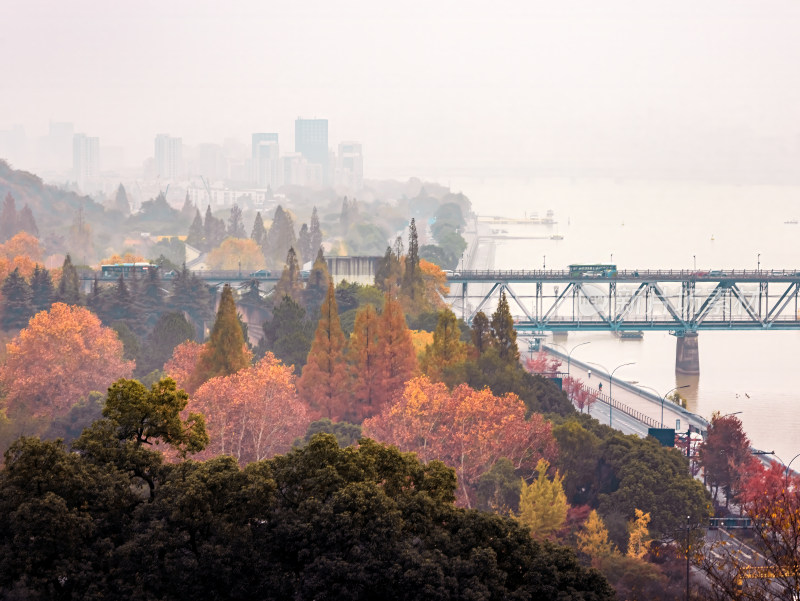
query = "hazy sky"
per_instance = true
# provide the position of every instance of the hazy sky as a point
(428, 87)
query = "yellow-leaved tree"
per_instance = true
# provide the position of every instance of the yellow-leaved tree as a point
(542, 503)
(593, 537)
(639, 536)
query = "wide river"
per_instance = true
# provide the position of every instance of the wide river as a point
(644, 224)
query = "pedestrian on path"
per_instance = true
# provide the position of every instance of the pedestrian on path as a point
(590, 374)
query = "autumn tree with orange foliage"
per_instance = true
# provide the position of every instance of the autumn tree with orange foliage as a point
(253, 414)
(183, 362)
(236, 253)
(363, 360)
(323, 384)
(22, 245)
(61, 356)
(435, 282)
(397, 360)
(126, 258)
(469, 430)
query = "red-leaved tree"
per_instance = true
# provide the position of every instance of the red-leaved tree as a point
(467, 429)
(183, 362)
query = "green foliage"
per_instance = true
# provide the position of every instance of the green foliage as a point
(131, 347)
(280, 237)
(172, 249)
(69, 291)
(499, 488)
(288, 334)
(481, 333)
(365, 239)
(170, 330)
(192, 295)
(346, 434)
(503, 332)
(80, 416)
(17, 306)
(42, 290)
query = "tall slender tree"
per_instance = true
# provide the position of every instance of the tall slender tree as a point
(304, 244)
(42, 291)
(481, 332)
(317, 284)
(8, 218)
(398, 359)
(280, 237)
(314, 232)
(225, 352)
(197, 232)
(503, 332)
(413, 286)
(323, 383)
(259, 233)
(363, 358)
(121, 203)
(288, 334)
(26, 222)
(188, 209)
(17, 307)
(69, 291)
(289, 284)
(447, 348)
(235, 223)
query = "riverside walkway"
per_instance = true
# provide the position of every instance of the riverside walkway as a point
(632, 410)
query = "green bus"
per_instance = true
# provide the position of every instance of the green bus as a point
(595, 270)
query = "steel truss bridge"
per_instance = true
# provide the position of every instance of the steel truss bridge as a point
(679, 301)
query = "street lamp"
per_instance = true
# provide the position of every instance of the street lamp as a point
(663, 397)
(569, 354)
(694, 258)
(544, 262)
(759, 262)
(610, 382)
(786, 479)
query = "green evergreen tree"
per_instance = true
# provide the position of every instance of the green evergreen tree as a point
(344, 216)
(259, 233)
(314, 232)
(235, 223)
(304, 244)
(280, 237)
(151, 297)
(17, 306)
(317, 285)
(121, 203)
(503, 332)
(8, 218)
(69, 290)
(481, 332)
(192, 295)
(388, 271)
(288, 334)
(196, 237)
(225, 352)
(42, 290)
(188, 210)
(289, 284)
(26, 222)
(170, 330)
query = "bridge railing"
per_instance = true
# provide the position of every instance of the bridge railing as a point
(619, 406)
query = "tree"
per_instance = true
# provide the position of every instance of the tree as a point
(346, 434)
(289, 284)
(323, 384)
(253, 414)
(42, 291)
(724, 453)
(183, 362)
(447, 348)
(170, 330)
(17, 305)
(225, 352)
(397, 360)
(503, 332)
(413, 286)
(197, 233)
(481, 332)
(188, 209)
(542, 503)
(61, 356)
(363, 358)
(280, 237)
(69, 291)
(304, 243)
(121, 203)
(638, 535)
(593, 537)
(235, 223)
(22, 244)
(26, 222)
(288, 334)
(317, 284)
(314, 232)
(8, 218)
(259, 232)
(236, 253)
(388, 272)
(467, 429)
(499, 489)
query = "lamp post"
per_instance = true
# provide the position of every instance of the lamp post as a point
(544, 262)
(610, 383)
(569, 354)
(786, 479)
(759, 262)
(694, 259)
(663, 397)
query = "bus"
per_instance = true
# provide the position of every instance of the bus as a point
(595, 270)
(126, 269)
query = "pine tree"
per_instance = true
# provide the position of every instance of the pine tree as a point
(289, 284)
(287, 335)
(42, 291)
(593, 537)
(481, 332)
(17, 308)
(413, 287)
(225, 352)
(317, 284)
(638, 535)
(304, 244)
(8, 218)
(151, 297)
(323, 383)
(503, 332)
(235, 223)
(259, 233)
(26, 222)
(69, 291)
(121, 203)
(188, 209)
(447, 348)
(397, 357)
(314, 232)
(363, 359)
(192, 295)
(197, 233)
(388, 272)
(542, 503)
(280, 237)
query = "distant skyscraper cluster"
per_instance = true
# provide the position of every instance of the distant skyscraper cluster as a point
(86, 160)
(169, 157)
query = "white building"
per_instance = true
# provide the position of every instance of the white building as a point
(85, 160)
(169, 157)
(350, 165)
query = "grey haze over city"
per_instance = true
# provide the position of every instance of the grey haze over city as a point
(678, 89)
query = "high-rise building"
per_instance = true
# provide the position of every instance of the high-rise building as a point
(169, 157)
(350, 165)
(265, 163)
(311, 140)
(85, 160)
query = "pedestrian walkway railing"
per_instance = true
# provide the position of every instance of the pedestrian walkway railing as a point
(619, 406)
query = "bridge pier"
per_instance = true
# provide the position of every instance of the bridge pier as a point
(687, 354)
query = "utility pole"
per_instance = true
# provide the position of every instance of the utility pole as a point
(687, 557)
